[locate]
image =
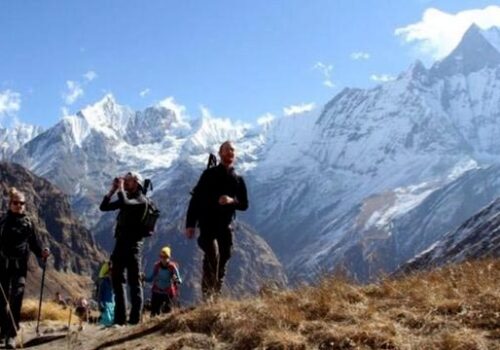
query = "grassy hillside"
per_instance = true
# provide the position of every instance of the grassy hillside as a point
(456, 307)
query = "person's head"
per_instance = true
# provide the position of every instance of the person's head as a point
(17, 201)
(82, 302)
(165, 254)
(133, 182)
(227, 153)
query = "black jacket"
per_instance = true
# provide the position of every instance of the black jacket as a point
(132, 208)
(204, 207)
(17, 238)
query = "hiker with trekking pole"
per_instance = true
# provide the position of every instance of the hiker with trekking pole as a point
(17, 238)
(215, 199)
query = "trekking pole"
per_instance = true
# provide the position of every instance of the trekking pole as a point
(69, 318)
(41, 295)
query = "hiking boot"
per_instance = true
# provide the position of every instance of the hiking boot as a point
(10, 343)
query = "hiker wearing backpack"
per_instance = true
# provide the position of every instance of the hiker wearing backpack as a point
(216, 197)
(129, 234)
(17, 238)
(166, 279)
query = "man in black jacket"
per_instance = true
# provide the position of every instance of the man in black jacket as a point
(219, 192)
(128, 246)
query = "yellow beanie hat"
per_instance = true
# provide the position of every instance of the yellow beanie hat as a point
(165, 251)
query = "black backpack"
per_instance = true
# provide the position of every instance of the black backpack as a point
(151, 212)
(212, 161)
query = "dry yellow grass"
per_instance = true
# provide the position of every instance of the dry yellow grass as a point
(50, 311)
(456, 307)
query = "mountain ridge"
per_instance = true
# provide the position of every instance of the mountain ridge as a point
(311, 176)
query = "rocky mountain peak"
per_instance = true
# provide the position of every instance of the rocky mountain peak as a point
(417, 71)
(11, 139)
(153, 124)
(473, 53)
(107, 115)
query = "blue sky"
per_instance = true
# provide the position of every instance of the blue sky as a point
(237, 59)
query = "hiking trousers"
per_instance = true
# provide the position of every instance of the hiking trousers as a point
(161, 303)
(216, 244)
(13, 280)
(129, 261)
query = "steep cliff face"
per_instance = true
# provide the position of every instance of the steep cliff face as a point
(74, 251)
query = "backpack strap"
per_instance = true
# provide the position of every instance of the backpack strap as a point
(2, 224)
(146, 207)
(156, 268)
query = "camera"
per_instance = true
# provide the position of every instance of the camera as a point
(116, 180)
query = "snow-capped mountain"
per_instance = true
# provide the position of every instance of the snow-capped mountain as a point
(11, 139)
(326, 188)
(389, 228)
(421, 131)
(83, 152)
(476, 238)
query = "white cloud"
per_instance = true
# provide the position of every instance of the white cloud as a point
(144, 92)
(326, 72)
(297, 109)
(438, 33)
(74, 92)
(169, 103)
(266, 119)
(64, 111)
(382, 78)
(10, 103)
(360, 55)
(90, 75)
(328, 83)
(74, 89)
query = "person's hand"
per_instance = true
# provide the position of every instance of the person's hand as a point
(225, 200)
(114, 187)
(45, 254)
(121, 182)
(190, 232)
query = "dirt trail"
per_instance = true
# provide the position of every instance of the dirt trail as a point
(147, 336)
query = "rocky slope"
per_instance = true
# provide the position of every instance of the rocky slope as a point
(477, 238)
(74, 251)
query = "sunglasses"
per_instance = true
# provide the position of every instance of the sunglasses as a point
(18, 203)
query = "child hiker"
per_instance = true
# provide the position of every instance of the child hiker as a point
(166, 279)
(82, 311)
(105, 295)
